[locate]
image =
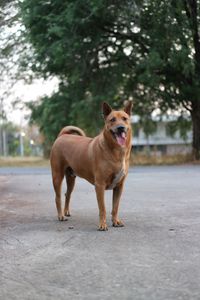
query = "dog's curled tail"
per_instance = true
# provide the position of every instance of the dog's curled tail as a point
(72, 130)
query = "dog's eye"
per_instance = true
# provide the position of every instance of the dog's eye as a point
(124, 118)
(112, 120)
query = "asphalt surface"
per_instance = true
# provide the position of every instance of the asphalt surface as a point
(155, 256)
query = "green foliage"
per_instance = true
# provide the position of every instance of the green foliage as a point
(51, 114)
(147, 124)
(182, 124)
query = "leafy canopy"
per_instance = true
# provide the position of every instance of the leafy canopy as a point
(147, 50)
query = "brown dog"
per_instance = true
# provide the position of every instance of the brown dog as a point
(103, 161)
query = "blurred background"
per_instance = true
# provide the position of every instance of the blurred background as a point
(60, 59)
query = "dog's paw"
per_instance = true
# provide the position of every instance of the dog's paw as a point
(103, 227)
(67, 213)
(61, 218)
(118, 223)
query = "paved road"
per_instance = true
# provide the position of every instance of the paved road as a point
(156, 256)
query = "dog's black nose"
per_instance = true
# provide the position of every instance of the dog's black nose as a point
(121, 129)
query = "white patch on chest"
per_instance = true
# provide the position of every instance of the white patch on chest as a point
(118, 177)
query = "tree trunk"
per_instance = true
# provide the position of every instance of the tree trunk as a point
(195, 113)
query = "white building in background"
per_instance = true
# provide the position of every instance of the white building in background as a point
(160, 142)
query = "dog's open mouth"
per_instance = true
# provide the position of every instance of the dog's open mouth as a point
(120, 138)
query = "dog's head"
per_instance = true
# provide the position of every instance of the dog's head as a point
(117, 123)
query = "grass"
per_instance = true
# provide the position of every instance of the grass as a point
(136, 159)
(147, 160)
(23, 162)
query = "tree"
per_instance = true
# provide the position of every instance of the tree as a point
(12, 46)
(171, 64)
(148, 50)
(9, 41)
(6, 19)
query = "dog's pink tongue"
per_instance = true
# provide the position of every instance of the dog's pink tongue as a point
(121, 139)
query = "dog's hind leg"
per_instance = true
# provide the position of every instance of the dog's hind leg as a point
(70, 180)
(57, 183)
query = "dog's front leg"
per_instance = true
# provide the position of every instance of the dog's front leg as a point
(100, 189)
(117, 191)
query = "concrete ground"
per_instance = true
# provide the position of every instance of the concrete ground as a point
(155, 256)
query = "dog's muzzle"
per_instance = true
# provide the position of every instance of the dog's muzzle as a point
(120, 132)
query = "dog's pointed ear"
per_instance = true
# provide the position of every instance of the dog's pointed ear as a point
(128, 107)
(106, 109)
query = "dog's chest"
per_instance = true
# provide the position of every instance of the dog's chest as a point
(116, 179)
